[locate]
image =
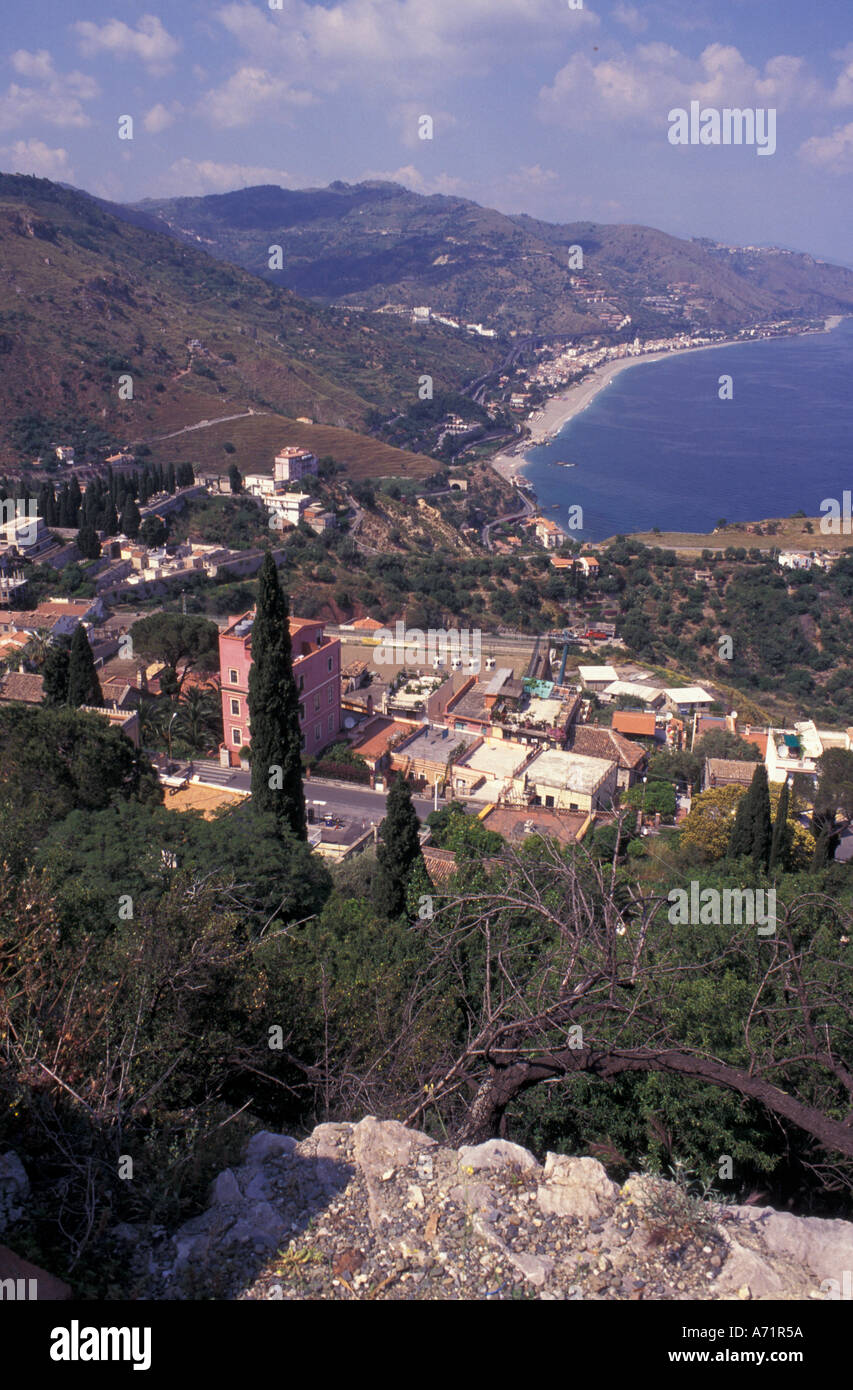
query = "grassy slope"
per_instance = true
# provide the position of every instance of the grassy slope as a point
(258, 439)
(791, 535)
(85, 296)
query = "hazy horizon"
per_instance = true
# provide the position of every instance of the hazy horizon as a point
(536, 106)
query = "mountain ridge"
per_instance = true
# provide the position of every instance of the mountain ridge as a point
(87, 296)
(377, 240)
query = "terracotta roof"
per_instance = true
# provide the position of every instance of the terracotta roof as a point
(758, 738)
(627, 721)
(606, 743)
(24, 686)
(14, 641)
(729, 771)
(440, 864)
(378, 735)
(48, 612)
(366, 625)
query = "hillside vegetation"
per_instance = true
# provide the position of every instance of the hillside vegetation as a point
(87, 298)
(372, 242)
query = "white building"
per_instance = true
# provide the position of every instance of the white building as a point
(597, 677)
(288, 506)
(292, 464)
(798, 749)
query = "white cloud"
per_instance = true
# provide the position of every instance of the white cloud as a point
(159, 118)
(57, 100)
(641, 87)
(630, 17)
(197, 176)
(250, 94)
(149, 42)
(38, 64)
(35, 157)
(412, 178)
(533, 176)
(398, 43)
(833, 152)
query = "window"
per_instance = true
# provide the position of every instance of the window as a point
(318, 732)
(331, 723)
(330, 663)
(235, 706)
(302, 742)
(331, 699)
(237, 736)
(301, 684)
(302, 710)
(316, 703)
(232, 676)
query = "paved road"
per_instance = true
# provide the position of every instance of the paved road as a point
(202, 425)
(351, 802)
(527, 510)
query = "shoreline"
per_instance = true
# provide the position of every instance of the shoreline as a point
(558, 410)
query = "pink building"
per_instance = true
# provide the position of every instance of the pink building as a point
(316, 669)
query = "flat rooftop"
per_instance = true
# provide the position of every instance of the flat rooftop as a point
(689, 695)
(634, 690)
(597, 673)
(472, 706)
(573, 771)
(541, 711)
(498, 680)
(496, 757)
(436, 744)
(510, 822)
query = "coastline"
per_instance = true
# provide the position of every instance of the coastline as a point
(556, 413)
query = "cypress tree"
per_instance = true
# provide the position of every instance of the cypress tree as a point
(130, 519)
(87, 542)
(67, 515)
(75, 501)
(109, 520)
(740, 840)
(752, 831)
(779, 843)
(398, 852)
(56, 670)
(762, 825)
(824, 850)
(274, 709)
(84, 688)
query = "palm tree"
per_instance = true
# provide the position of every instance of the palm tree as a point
(199, 716)
(36, 650)
(153, 718)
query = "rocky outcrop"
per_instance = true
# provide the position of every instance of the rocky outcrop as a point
(374, 1210)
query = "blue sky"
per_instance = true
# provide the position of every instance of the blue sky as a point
(537, 106)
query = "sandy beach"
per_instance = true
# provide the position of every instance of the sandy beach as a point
(560, 409)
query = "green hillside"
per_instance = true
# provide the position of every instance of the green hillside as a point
(88, 297)
(375, 242)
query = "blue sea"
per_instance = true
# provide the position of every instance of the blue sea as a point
(657, 447)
